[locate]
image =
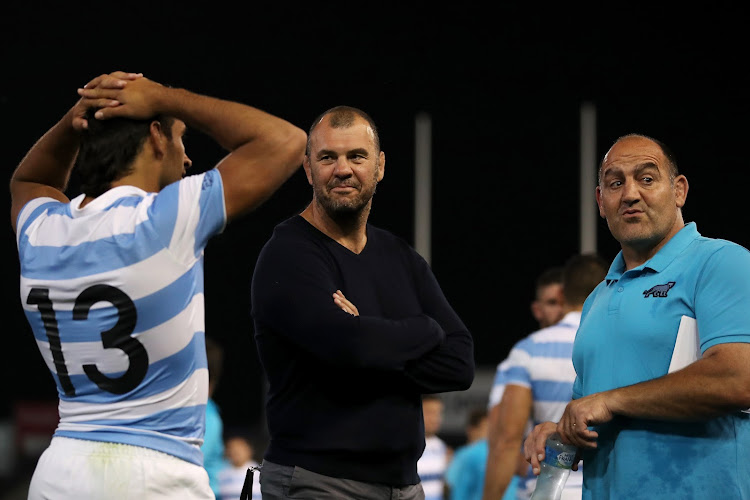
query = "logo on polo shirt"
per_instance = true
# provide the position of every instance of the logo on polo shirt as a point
(658, 290)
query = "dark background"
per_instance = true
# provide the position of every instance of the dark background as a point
(503, 86)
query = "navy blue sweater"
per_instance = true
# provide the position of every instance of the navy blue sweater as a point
(344, 395)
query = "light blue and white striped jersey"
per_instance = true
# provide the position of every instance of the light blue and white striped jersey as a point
(542, 362)
(431, 467)
(113, 292)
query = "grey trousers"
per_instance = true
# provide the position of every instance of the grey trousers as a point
(282, 482)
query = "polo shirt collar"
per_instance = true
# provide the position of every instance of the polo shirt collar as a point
(663, 257)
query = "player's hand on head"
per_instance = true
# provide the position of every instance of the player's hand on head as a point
(126, 95)
(98, 93)
(114, 80)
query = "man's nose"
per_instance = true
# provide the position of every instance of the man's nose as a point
(342, 167)
(630, 191)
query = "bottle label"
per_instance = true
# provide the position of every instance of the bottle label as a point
(559, 459)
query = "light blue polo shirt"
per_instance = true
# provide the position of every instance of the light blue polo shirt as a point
(627, 334)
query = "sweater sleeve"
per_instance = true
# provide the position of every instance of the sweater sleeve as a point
(292, 296)
(450, 365)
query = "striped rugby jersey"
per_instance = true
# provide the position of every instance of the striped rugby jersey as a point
(543, 363)
(113, 292)
(431, 467)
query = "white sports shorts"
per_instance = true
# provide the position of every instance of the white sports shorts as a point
(74, 469)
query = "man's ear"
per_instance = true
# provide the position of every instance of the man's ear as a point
(381, 165)
(157, 139)
(681, 190)
(599, 202)
(306, 166)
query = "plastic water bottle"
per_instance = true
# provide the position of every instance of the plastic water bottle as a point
(555, 469)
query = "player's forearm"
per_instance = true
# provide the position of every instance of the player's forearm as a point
(506, 425)
(51, 159)
(231, 124)
(501, 467)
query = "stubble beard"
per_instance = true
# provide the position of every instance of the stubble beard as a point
(344, 210)
(639, 235)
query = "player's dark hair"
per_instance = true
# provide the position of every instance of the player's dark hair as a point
(109, 147)
(581, 274)
(549, 276)
(476, 416)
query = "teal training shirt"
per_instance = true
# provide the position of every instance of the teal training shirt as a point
(627, 334)
(213, 446)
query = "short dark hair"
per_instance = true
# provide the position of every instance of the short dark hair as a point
(549, 276)
(343, 117)
(109, 147)
(476, 416)
(581, 274)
